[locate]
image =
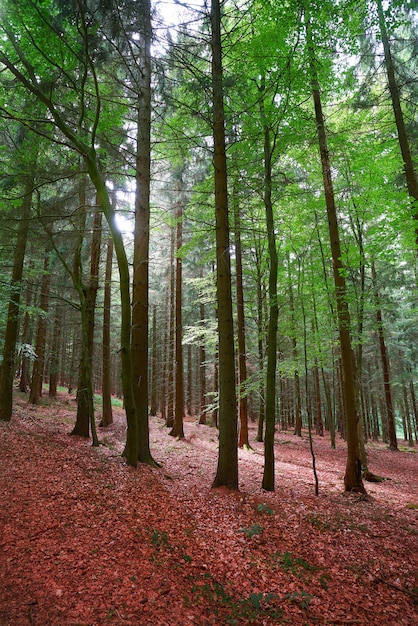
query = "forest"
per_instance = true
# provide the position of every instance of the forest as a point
(209, 239)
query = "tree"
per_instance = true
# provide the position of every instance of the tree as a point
(410, 174)
(140, 293)
(38, 368)
(393, 443)
(227, 468)
(243, 441)
(352, 479)
(177, 430)
(270, 415)
(107, 416)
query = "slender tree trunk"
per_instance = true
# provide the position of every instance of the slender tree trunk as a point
(26, 339)
(318, 420)
(268, 482)
(107, 414)
(202, 369)
(131, 448)
(390, 413)
(171, 338)
(227, 468)
(10, 338)
(243, 441)
(260, 345)
(55, 348)
(189, 394)
(87, 293)
(166, 356)
(414, 407)
(38, 367)
(408, 422)
(177, 430)
(352, 479)
(154, 363)
(297, 395)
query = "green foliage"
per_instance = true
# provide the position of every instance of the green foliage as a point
(231, 610)
(264, 508)
(300, 568)
(255, 529)
(302, 598)
(159, 539)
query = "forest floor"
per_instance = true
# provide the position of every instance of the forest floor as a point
(87, 541)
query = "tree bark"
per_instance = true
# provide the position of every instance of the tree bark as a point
(87, 293)
(38, 367)
(227, 468)
(260, 346)
(131, 447)
(107, 414)
(268, 482)
(390, 413)
(202, 371)
(154, 364)
(169, 422)
(26, 339)
(55, 349)
(140, 304)
(243, 441)
(177, 430)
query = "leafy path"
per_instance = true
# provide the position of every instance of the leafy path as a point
(87, 541)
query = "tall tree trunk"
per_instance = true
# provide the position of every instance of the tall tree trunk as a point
(154, 363)
(268, 481)
(141, 236)
(260, 346)
(390, 413)
(55, 349)
(107, 414)
(26, 339)
(169, 422)
(227, 468)
(177, 430)
(297, 395)
(10, 338)
(165, 356)
(352, 478)
(87, 294)
(38, 367)
(131, 447)
(190, 396)
(202, 370)
(243, 441)
(410, 174)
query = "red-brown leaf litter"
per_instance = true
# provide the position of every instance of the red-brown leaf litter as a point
(87, 541)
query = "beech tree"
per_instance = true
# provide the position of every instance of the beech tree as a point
(353, 477)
